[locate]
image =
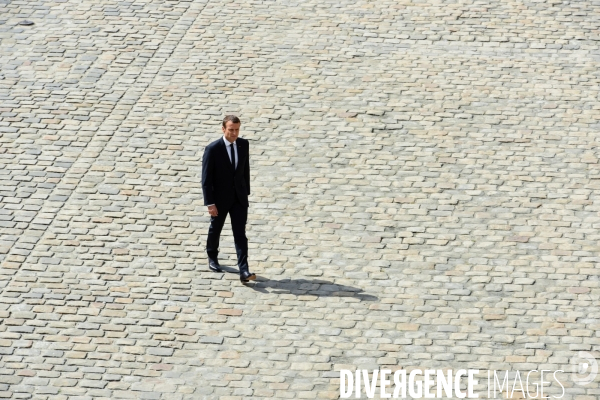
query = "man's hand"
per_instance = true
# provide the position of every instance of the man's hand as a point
(212, 210)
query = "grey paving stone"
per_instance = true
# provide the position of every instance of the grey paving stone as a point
(424, 193)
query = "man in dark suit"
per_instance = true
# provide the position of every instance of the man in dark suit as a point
(226, 187)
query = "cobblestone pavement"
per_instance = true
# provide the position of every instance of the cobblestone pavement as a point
(425, 178)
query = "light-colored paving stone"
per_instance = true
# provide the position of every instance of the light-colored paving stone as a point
(425, 184)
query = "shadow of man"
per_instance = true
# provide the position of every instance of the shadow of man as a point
(316, 287)
(299, 287)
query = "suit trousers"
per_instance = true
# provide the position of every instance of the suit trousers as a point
(238, 214)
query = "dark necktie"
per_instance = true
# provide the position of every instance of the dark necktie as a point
(232, 155)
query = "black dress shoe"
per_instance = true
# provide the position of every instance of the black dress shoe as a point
(214, 265)
(247, 276)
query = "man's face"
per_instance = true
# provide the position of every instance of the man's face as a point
(231, 131)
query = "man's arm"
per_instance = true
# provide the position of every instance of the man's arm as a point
(247, 171)
(207, 177)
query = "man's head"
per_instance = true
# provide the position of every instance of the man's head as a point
(231, 127)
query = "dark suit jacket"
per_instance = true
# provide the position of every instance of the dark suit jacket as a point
(220, 182)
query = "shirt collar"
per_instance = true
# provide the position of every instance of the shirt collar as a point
(227, 141)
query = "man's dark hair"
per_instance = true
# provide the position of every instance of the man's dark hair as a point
(231, 118)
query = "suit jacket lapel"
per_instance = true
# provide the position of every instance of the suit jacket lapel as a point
(241, 155)
(225, 154)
